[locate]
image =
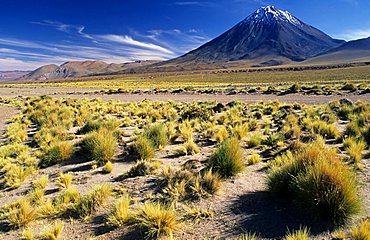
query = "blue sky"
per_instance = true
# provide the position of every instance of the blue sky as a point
(38, 32)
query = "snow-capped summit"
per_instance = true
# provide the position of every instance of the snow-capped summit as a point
(270, 13)
(267, 36)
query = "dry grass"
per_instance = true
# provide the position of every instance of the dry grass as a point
(120, 214)
(64, 181)
(22, 214)
(144, 148)
(362, 231)
(227, 159)
(53, 232)
(319, 182)
(301, 234)
(100, 145)
(158, 220)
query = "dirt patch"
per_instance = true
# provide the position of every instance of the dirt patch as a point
(6, 113)
(64, 92)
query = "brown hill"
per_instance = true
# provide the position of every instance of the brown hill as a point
(81, 69)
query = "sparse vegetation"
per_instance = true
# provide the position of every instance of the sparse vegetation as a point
(53, 232)
(88, 204)
(22, 214)
(301, 144)
(301, 234)
(158, 220)
(100, 145)
(120, 213)
(227, 160)
(254, 159)
(157, 134)
(362, 231)
(319, 182)
(65, 180)
(144, 148)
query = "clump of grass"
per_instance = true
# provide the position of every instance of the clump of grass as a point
(220, 134)
(186, 131)
(22, 214)
(328, 131)
(300, 234)
(177, 185)
(211, 182)
(63, 202)
(65, 180)
(119, 214)
(157, 134)
(240, 131)
(15, 175)
(36, 196)
(41, 182)
(144, 148)
(54, 231)
(57, 153)
(339, 235)
(319, 182)
(189, 148)
(95, 125)
(352, 130)
(198, 214)
(88, 203)
(348, 141)
(158, 220)
(142, 168)
(27, 234)
(252, 124)
(49, 208)
(355, 151)
(362, 231)
(100, 145)
(279, 161)
(16, 133)
(254, 159)
(227, 159)
(254, 140)
(108, 167)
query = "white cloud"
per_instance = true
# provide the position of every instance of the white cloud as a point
(113, 48)
(130, 41)
(16, 64)
(353, 34)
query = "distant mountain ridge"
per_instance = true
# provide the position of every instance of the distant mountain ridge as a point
(11, 75)
(81, 69)
(352, 51)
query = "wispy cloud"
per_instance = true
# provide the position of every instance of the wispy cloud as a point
(189, 39)
(127, 40)
(12, 64)
(152, 45)
(354, 34)
(67, 28)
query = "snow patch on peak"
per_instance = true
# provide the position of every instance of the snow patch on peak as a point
(270, 13)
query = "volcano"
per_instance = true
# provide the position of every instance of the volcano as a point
(268, 34)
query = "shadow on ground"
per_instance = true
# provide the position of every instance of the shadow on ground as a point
(262, 213)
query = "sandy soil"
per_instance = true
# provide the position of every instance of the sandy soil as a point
(6, 113)
(183, 97)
